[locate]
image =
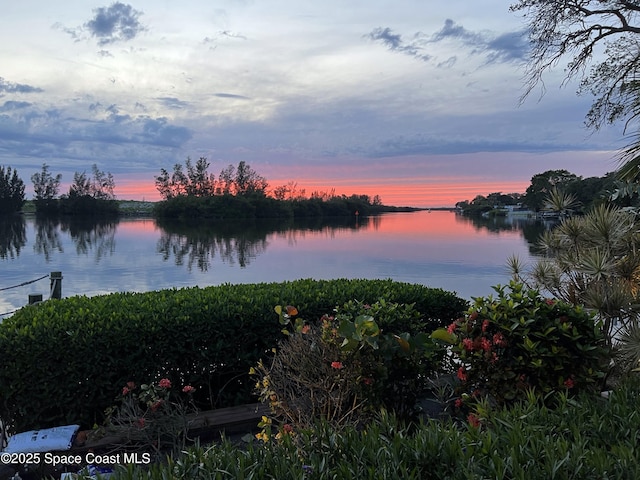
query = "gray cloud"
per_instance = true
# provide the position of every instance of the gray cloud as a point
(502, 48)
(172, 103)
(230, 95)
(118, 22)
(10, 87)
(11, 105)
(396, 43)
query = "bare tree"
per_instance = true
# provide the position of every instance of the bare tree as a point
(581, 30)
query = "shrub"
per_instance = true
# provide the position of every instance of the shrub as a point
(152, 417)
(519, 341)
(344, 368)
(586, 437)
(62, 359)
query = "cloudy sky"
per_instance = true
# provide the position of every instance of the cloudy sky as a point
(415, 101)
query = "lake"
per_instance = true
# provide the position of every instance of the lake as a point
(434, 248)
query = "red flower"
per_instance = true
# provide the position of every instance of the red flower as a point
(462, 374)
(188, 389)
(498, 340)
(569, 383)
(131, 385)
(485, 344)
(485, 325)
(286, 428)
(140, 423)
(367, 381)
(305, 329)
(164, 383)
(458, 402)
(473, 420)
(452, 328)
(550, 302)
(467, 343)
(125, 391)
(337, 365)
(156, 405)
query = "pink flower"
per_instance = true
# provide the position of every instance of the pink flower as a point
(131, 385)
(569, 383)
(485, 344)
(458, 402)
(337, 365)
(550, 302)
(485, 325)
(164, 383)
(156, 405)
(451, 328)
(462, 374)
(125, 391)
(473, 420)
(188, 389)
(305, 329)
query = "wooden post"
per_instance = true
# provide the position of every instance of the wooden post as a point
(35, 298)
(56, 285)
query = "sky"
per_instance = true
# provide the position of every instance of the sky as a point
(417, 102)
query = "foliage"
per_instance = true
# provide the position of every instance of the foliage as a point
(591, 260)
(90, 195)
(518, 341)
(76, 349)
(582, 438)
(346, 367)
(11, 191)
(543, 184)
(197, 182)
(46, 188)
(481, 204)
(152, 417)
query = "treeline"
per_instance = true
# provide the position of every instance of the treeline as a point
(87, 195)
(188, 192)
(191, 192)
(553, 190)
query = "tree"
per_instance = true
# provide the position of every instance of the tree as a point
(248, 181)
(196, 182)
(543, 183)
(11, 191)
(46, 188)
(577, 29)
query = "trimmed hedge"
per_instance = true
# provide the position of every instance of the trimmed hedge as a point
(64, 361)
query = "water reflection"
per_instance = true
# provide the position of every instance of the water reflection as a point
(531, 229)
(13, 236)
(196, 244)
(88, 234)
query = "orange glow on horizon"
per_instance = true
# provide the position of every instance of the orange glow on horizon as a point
(438, 193)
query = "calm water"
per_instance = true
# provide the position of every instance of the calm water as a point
(437, 249)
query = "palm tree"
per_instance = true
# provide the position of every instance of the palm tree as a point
(594, 261)
(561, 202)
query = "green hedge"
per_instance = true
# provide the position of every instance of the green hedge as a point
(64, 361)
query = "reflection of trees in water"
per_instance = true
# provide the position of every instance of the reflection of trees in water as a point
(198, 244)
(531, 229)
(47, 238)
(13, 235)
(236, 242)
(91, 234)
(328, 227)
